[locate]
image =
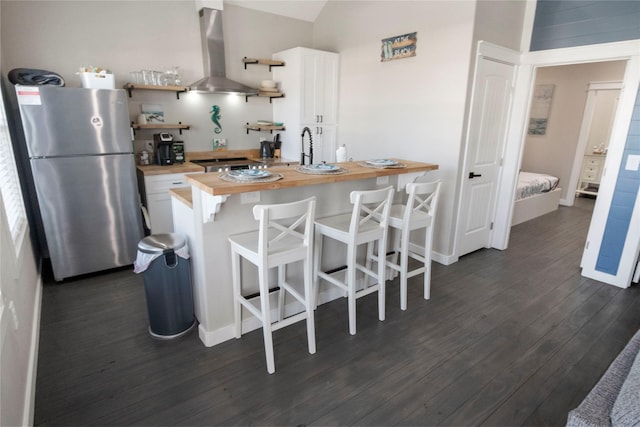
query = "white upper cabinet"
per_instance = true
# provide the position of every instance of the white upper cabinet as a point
(309, 80)
(319, 76)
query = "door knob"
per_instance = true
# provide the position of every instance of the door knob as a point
(474, 175)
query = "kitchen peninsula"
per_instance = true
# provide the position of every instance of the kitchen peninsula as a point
(218, 208)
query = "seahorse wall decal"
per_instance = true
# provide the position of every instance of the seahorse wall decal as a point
(215, 118)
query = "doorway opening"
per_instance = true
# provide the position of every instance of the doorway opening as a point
(577, 121)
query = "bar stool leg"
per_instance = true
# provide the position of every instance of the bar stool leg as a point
(282, 274)
(382, 277)
(427, 265)
(404, 266)
(351, 287)
(235, 279)
(368, 264)
(265, 308)
(317, 252)
(309, 306)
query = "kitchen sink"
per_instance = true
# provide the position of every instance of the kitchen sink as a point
(231, 163)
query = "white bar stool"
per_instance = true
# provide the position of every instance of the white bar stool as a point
(367, 223)
(419, 212)
(285, 236)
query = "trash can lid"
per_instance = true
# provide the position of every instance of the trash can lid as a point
(159, 243)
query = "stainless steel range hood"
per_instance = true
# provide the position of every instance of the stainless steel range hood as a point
(213, 57)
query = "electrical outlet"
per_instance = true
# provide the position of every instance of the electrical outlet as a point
(251, 197)
(382, 180)
(148, 145)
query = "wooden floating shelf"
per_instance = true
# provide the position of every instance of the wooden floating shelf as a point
(269, 62)
(269, 95)
(263, 128)
(178, 126)
(177, 89)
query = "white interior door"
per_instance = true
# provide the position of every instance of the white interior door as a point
(619, 159)
(491, 104)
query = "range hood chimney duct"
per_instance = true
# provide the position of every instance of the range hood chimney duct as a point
(213, 58)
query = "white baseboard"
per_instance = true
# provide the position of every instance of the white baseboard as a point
(211, 338)
(435, 256)
(443, 259)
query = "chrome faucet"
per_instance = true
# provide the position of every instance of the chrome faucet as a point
(302, 154)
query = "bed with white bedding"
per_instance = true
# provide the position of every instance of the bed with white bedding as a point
(536, 194)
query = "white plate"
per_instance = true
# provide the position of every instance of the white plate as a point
(322, 167)
(249, 174)
(382, 162)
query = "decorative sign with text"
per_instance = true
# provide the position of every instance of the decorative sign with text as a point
(399, 47)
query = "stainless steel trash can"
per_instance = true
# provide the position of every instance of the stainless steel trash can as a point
(167, 285)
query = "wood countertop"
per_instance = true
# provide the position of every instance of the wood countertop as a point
(183, 194)
(188, 167)
(212, 184)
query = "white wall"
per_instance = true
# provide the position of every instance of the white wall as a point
(21, 293)
(134, 35)
(554, 152)
(500, 22)
(409, 108)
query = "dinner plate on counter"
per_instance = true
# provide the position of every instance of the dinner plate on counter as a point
(249, 174)
(321, 167)
(381, 162)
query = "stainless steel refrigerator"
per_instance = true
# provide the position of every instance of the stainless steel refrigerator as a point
(83, 167)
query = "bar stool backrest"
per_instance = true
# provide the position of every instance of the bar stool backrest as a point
(370, 210)
(422, 203)
(285, 225)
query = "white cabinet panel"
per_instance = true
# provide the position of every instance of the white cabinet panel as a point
(159, 207)
(319, 88)
(309, 79)
(324, 144)
(158, 199)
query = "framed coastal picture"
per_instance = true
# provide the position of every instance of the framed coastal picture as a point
(398, 47)
(540, 107)
(153, 112)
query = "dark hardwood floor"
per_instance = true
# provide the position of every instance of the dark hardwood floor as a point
(513, 337)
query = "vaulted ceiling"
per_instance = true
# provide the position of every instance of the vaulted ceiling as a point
(306, 10)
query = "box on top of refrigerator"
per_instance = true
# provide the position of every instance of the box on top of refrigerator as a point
(97, 81)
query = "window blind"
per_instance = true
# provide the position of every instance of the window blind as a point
(9, 183)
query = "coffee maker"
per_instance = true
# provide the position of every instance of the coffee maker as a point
(163, 144)
(178, 152)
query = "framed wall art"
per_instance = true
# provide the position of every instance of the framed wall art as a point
(154, 113)
(398, 47)
(540, 107)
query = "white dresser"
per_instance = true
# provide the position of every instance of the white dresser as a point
(591, 173)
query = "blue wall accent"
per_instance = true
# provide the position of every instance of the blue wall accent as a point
(569, 23)
(624, 198)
